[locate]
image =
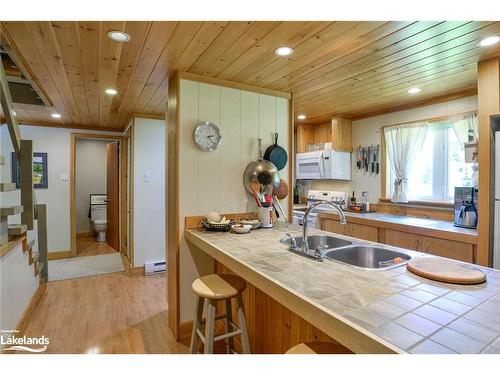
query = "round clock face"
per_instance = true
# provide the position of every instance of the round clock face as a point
(207, 136)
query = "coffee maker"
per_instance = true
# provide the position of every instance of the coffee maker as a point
(466, 207)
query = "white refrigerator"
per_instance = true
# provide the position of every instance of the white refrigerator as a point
(496, 223)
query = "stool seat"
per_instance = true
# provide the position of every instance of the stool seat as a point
(218, 287)
(316, 347)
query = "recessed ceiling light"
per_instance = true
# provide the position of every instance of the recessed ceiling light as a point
(283, 51)
(301, 117)
(119, 36)
(414, 90)
(111, 91)
(56, 115)
(489, 41)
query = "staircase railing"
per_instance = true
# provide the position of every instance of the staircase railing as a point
(24, 153)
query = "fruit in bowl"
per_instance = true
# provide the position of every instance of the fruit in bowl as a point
(241, 228)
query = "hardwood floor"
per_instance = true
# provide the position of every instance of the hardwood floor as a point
(112, 313)
(87, 246)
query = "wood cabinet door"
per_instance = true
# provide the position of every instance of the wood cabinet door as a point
(403, 239)
(363, 232)
(449, 249)
(334, 226)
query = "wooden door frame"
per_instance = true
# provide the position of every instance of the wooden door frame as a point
(122, 141)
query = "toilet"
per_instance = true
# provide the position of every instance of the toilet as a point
(98, 217)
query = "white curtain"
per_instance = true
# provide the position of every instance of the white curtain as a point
(403, 143)
(463, 126)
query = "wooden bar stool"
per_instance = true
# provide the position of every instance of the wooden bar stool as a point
(316, 347)
(213, 288)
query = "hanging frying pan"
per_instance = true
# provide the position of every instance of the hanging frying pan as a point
(276, 154)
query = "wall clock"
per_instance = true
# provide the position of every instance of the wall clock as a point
(207, 136)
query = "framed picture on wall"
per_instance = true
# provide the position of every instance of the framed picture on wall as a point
(40, 171)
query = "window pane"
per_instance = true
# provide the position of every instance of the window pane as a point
(459, 172)
(420, 179)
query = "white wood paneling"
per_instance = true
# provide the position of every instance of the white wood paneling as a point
(213, 181)
(232, 192)
(209, 170)
(267, 120)
(188, 160)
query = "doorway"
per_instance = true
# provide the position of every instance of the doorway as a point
(98, 173)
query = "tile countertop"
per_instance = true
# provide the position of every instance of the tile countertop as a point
(419, 222)
(391, 309)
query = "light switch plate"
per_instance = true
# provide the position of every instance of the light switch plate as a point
(63, 177)
(147, 176)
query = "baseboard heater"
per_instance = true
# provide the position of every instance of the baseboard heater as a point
(152, 268)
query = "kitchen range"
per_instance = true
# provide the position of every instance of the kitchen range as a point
(313, 196)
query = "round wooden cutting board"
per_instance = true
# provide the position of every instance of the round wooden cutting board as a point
(446, 271)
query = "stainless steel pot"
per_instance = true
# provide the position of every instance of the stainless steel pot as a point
(263, 171)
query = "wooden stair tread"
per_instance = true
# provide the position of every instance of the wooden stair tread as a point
(30, 244)
(7, 186)
(17, 229)
(10, 210)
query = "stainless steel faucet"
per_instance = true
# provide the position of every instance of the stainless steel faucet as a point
(335, 206)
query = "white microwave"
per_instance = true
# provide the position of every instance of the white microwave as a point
(323, 165)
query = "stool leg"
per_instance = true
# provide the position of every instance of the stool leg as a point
(210, 326)
(245, 343)
(229, 318)
(196, 324)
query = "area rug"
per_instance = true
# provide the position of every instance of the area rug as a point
(73, 268)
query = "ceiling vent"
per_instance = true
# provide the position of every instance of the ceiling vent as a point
(21, 90)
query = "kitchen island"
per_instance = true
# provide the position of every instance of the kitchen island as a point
(367, 311)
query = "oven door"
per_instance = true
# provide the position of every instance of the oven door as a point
(309, 166)
(298, 219)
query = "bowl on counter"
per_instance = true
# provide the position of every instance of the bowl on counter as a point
(255, 223)
(241, 228)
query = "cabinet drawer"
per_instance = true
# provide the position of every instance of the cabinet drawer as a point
(403, 239)
(449, 249)
(334, 226)
(363, 232)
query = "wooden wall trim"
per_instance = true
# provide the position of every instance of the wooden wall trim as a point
(172, 204)
(55, 255)
(72, 180)
(130, 132)
(291, 157)
(421, 103)
(71, 126)
(231, 84)
(488, 79)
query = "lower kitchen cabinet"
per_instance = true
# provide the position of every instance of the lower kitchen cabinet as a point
(403, 239)
(334, 226)
(407, 240)
(360, 231)
(449, 249)
(364, 232)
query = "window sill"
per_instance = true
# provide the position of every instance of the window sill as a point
(420, 204)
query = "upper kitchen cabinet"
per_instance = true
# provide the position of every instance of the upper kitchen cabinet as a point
(338, 133)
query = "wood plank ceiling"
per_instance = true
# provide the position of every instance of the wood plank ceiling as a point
(349, 68)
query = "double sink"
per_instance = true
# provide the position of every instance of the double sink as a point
(357, 255)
